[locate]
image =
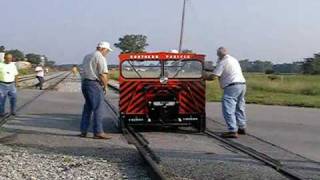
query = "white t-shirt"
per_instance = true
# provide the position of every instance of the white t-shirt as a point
(39, 71)
(8, 72)
(94, 64)
(229, 71)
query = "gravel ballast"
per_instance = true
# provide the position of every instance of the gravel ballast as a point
(21, 163)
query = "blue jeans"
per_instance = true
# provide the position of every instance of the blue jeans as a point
(41, 81)
(233, 107)
(11, 91)
(94, 105)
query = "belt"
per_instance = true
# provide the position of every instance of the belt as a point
(96, 80)
(91, 80)
(235, 83)
(6, 82)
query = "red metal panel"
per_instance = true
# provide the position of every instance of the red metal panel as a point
(190, 92)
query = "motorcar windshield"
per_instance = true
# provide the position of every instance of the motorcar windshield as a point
(153, 69)
(141, 69)
(183, 69)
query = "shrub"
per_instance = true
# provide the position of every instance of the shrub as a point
(273, 77)
(269, 71)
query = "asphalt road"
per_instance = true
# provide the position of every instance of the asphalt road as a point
(295, 129)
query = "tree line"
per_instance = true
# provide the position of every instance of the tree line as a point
(135, 43)
(307, 66)
(269, 68)
(33, 58)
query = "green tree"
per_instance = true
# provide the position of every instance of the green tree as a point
(33, 58)
(294, 67)
(17, 54)
(246, 65)
(132, 43)
(50, 63)
(2, 49)
(261, 66)
(312, 65)
(255, 66)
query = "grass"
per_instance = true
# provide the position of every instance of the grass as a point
(285, 90)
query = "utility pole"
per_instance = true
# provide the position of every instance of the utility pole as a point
(182, 25)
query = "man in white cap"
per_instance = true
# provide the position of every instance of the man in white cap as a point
(94, 84)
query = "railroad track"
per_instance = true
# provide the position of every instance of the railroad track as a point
(153, 161)
(26, 77)
(46, 80)
(31, 77)
(63, 76)
(274, 163)
(141, 145)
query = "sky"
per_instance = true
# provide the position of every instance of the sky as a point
(67, 30)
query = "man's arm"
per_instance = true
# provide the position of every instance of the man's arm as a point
(16, 79)
(218, 70)
(209, 76)
(103, 72)
(104, 79)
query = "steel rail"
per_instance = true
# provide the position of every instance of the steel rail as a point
(269, 161)
(141, 145)
(46, 80)
(29, 77)
(272, 144)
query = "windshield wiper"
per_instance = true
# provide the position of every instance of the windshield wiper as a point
(135, 69)
(177, 73)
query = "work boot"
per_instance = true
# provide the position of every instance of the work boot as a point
(83, 135)
(101, 136)
(230, 135)
(242, 131)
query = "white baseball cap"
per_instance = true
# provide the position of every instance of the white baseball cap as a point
(104, 44)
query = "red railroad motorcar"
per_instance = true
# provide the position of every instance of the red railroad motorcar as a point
(162, 89)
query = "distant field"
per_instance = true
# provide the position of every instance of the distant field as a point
(286, 90)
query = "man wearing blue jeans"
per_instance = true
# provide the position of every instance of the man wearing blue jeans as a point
(8, 79)
(94, 85)
(233, 84)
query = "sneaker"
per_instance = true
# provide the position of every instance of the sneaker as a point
(242, 131)
(230, 135)
(83, 135)
(101, 136)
